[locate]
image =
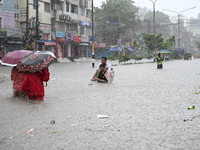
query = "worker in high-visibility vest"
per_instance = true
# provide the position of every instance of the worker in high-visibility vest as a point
(159, 61)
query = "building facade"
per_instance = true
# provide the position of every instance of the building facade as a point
(28, 23)
(10, 33)
(71, 27)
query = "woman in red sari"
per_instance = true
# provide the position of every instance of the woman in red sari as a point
(17, 79)
(33, 84)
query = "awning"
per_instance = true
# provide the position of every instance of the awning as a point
(113, 48)
(129, 48)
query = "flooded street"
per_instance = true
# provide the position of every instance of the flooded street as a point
(145, 108)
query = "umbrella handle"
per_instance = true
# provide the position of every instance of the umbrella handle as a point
(45, 85)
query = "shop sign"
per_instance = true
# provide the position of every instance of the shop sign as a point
(77, 39)
(45, 28)
(90, 38)
(14, 32)
(3, 33)
(86, 24)
(46, 37)
(100, 45)
(33, 45)
(60, 40)
(49, 43)
(68, 35)
(59, 34)
(84, 38)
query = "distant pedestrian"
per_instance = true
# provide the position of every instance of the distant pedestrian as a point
(159, 61)
(32, 84)
(17, 79)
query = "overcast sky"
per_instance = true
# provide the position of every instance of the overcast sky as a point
(174, 5)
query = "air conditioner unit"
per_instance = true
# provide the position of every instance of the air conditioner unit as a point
(61, 16)
(67, 17)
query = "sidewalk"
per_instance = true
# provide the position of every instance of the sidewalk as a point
(76, 60)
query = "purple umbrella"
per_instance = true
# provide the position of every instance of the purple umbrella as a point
(12, 58)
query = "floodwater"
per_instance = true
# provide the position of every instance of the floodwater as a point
(146, 109)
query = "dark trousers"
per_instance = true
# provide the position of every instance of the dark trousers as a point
(159, 66)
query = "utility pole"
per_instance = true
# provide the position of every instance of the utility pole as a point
(154, 17)
(27, 25)
(37, 24)
(93, 64)
(179, 22)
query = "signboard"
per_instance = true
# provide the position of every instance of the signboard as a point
(84, 38)
(77, 39)
(119, 41)
(45, 28)
(60, 40)
(68, 35)
(90, 38)
(59, 34)
(14, 32)
(86, 24)
(100, 45)
(33, 45)
(46, 37)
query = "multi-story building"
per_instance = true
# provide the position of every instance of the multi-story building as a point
(71, 27)
(28, 19)
(10, 33)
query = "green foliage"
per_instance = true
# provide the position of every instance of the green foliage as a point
(152, 41)
(124, 58)
(28, 47)
(114, 11)
(198, 44)
(138, 58)
(135, 44)
(149, 57)
(156, 42)
(111, 57)
(160, 17)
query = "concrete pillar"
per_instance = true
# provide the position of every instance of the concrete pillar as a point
(69, 50)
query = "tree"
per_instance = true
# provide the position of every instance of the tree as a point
(198, 44)
(156, 42)
(112, 18)
(160, 17)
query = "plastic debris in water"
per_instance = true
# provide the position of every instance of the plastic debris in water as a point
(191, 107)
(30, 131)
(53, 132)
(53, 121)
(102, 116)
(75, 124)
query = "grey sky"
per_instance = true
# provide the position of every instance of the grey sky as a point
(175, 5)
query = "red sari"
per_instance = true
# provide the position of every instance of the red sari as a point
(17, 79)
(33, 84)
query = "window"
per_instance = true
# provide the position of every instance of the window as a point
(67, 7)
(47, 7)
(82, 30)
(16, 16)
(74, 9)
(1, 1)
(82, 12)
(34, 4)
(60, 6)
(88, 13)
(1, 22)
